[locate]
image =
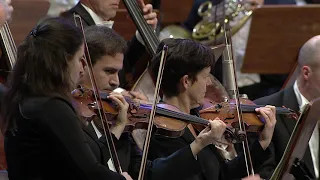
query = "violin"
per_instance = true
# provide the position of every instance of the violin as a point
(226, 111)
(88, 107)
(167, 122)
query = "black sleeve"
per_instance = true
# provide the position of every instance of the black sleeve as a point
(64, 126)
(163, 168)
(266, 169)
(179, 165)
(236, 168)
(135, 159)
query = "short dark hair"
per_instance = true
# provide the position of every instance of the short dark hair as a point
(185, 57)
(41, 68)
(102, 41)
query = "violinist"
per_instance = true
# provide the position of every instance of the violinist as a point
(305, 89)
(43, 135)
(100, 12)
(107, 59)
(184, 82)
(107, 49)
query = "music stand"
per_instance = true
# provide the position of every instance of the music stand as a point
(276, 35)
(290, 166)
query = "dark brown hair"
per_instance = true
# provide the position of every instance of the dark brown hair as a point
(41, 68)
(102, 41)
(185, 57)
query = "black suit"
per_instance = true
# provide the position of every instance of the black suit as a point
(285, 125)
(209, 164)
(135, 48)
(128, 153)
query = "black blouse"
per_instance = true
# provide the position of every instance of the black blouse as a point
(49, 143)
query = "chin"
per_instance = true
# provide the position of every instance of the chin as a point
(111, 14)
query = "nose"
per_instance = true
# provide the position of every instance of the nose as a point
(208, 81)
(114, 80)
(81, 72)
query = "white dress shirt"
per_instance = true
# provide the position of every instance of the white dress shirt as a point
(110, 163)
(314, 140)
(97, 19)
(100, 22)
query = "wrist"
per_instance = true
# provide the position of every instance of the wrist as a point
(264, 144)
(196, 146)
(122, 120)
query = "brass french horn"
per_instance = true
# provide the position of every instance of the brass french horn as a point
(210, 31)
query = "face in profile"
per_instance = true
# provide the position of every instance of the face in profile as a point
(314, 82)
(76, 66)
(106, 71)
(198, 88)
(106, 9)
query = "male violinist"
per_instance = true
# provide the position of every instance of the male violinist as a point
(184, 82)
(99, 12)
(305, 89)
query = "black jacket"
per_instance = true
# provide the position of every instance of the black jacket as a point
(209, 164)
(49, 143)
(284, 126)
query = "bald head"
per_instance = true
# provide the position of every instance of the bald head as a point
(308, 79)
(309, 54)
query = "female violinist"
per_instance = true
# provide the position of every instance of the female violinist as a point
(44, 139)
(183, 86)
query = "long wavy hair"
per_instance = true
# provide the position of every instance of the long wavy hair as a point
(42, 67)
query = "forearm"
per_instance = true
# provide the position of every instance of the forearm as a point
(196, 146)
(118, 129)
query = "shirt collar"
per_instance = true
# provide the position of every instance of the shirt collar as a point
(97, 19)
(300, 98)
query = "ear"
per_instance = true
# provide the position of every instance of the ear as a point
(185, 82)
(84, 64)
(306, 72)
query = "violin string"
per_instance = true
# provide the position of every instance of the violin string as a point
(146, 28)
(182, 116)
(245, 143)
(13, 48)
(251, 108)
(152, 36)
(9, 44)
(149, 30)
(152, 114)
(139, 20)
(102, 115)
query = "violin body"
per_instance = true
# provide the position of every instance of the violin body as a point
(227, 112)
(89, 110)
